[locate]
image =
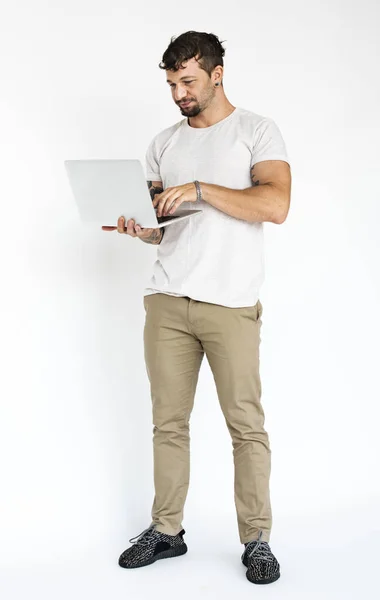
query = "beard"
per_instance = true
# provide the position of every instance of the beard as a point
(197, 107)
(191, 111)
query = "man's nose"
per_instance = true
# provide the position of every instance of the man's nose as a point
(180, 92)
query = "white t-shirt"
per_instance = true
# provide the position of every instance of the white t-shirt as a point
(212, 256)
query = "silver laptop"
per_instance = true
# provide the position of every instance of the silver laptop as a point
(105, 190)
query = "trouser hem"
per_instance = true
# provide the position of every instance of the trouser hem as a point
(253, 537)
(167, 530)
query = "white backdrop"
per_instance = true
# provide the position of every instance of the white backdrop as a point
(80, 79)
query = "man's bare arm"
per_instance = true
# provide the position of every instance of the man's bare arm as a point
(155, 187)
(268, 198)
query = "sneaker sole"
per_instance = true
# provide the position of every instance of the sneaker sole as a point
(171, 553)
(262, 581)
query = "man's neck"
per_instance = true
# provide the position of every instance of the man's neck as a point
(211, 115)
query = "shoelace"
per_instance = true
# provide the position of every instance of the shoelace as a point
(259, 548)
(145, 537)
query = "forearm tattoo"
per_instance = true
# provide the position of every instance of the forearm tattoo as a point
(154, 190)
(157, 234)
(253, 177)
(155, 237)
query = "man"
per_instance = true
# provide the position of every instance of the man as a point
(203, 296)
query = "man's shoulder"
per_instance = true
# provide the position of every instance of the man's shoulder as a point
(253, 118)
(165, 134)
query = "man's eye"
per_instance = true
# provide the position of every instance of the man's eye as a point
(186, 82)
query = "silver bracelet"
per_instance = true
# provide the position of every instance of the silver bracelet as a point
(199, 191)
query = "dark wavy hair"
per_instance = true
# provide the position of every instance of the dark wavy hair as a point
(206, 48)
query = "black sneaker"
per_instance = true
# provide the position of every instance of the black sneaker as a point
(151, 545)
(262, 565)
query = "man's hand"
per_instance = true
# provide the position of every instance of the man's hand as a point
(172, 197)
(149, 235)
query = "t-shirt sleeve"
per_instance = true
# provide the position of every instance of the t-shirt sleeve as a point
(151, 162)
(268, 143)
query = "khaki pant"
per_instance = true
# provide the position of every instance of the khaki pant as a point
(177, 333)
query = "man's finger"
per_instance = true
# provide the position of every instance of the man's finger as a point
(120, 224)
(173, 207)
(130, 227)
(142, 231)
